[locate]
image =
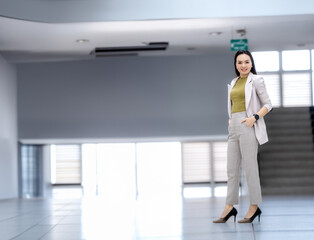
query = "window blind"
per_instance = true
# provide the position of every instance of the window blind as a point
(296, 89)
(196, 162)
(272, 82)
(67, 165)
(220, 161)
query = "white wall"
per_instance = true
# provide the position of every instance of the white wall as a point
(8, 131)
(129, 97)
(121, 10)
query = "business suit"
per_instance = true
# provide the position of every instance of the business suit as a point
(243, 141)
(255, 98)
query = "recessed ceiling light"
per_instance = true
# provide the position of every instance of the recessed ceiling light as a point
(82, 40)
(241, 32)
(215, 33)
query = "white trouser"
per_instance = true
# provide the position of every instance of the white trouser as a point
(242, 145)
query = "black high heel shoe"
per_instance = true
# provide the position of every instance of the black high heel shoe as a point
(258, 213)
(233, 212)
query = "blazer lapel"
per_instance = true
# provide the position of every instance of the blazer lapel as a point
(229, 102)
(233, 82)
(248, 90)
(230, 86)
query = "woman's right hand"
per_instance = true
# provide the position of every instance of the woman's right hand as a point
(229, 121)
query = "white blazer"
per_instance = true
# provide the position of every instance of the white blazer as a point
(256, 97)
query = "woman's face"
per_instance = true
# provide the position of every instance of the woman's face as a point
(244, 65)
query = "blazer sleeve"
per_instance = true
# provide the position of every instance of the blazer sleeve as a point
(261, 91)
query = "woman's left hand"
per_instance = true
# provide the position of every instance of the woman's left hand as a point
(249, 121)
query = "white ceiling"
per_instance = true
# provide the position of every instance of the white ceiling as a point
(25, 41)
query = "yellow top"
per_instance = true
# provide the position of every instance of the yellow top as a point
(237, 96)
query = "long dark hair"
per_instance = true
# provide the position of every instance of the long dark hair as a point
(253, 70)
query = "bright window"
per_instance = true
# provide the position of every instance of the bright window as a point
(272, 82)
(220, 164)
(296, 89)
(198, 159)
(196, 162)
(121, 170)
(116, 170)
(290, 83)
(296, 60)
(65, 164)
(109, 170)
(159, 169)
(266, 61)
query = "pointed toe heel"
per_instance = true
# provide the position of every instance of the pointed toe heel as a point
(233, 212)
(257, 213)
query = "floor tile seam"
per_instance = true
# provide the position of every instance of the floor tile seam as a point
(6, 219)
(157, 238)
(188, 234)
(20, 234)
(201, 209)
(254, 235)
(203, 218)
(288, 205)
(64, 204)
(70, 224)
(310, 216)
(58, 221)
(288, 230)
(216, 232)
(50, 230)
(71, 215)
(200, 218)
(61, 207)
(38, 220)
(64, 208)
(61, 219)
(24, 214)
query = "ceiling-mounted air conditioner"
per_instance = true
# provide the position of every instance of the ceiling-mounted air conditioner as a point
(129, 50)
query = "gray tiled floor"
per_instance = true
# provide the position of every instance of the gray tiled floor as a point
(164, 218)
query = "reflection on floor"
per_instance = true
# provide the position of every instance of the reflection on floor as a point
(166, 217)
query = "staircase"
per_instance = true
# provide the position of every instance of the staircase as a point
(286, 162)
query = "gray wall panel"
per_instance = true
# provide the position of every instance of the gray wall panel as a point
(8, 131)
(124, 97)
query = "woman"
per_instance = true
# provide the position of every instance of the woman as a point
(248, 103)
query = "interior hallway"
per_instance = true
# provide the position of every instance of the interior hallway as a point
(155, 217)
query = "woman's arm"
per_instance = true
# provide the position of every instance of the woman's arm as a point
(264, 98)
(262, 93)
(251, 120)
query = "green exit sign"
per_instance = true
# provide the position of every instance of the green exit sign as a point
(238, 44)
